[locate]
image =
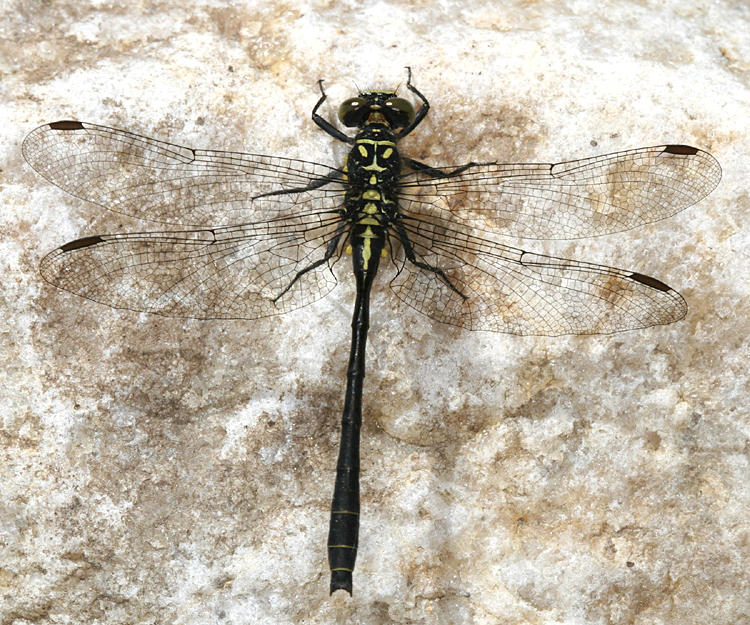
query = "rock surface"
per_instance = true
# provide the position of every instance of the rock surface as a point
(170, 471)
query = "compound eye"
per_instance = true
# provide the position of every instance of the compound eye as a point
(353, 111)
(399, 112)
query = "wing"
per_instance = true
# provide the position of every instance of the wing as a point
(505, 289)
(172, 184)
(238, 272)
(574, 199)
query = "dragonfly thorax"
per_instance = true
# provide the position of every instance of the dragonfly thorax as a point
(372, 169)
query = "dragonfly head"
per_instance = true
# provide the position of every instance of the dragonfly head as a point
(376, 107)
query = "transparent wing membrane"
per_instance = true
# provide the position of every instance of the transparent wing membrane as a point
(171, 184)
(582, 198)
(505, 289)
(238, 272)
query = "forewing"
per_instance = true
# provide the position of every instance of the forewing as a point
(238, 272)
(172, 184)
(505, 289)
(582, 198)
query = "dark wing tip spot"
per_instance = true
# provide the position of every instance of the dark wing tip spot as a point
(79, 243)
(649, 281)
(66, 124)
(680, 149)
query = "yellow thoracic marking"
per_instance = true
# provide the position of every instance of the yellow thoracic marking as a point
(373, 179)
(371, 194)
(383, 253)
(348, 252)
(373, 142)
(371, 209)
(374, 165)
(368, 221)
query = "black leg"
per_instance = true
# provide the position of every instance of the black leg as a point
(422, 109)
(412, 258)
(330, 251)
(334, 176)
(439, 173)
(325, 124)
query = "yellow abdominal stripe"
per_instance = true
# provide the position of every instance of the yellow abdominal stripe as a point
(367, 235)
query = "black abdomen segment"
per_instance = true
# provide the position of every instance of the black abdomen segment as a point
(367, 245)
(343, 534)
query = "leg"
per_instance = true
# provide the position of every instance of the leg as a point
(422, 109)
(325, 124)
(334, 176)
(439, 173)
(412, 258)
(330, 251)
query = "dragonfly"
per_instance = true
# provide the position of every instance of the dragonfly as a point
(246, 236)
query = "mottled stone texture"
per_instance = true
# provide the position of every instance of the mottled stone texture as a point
(162, 471)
